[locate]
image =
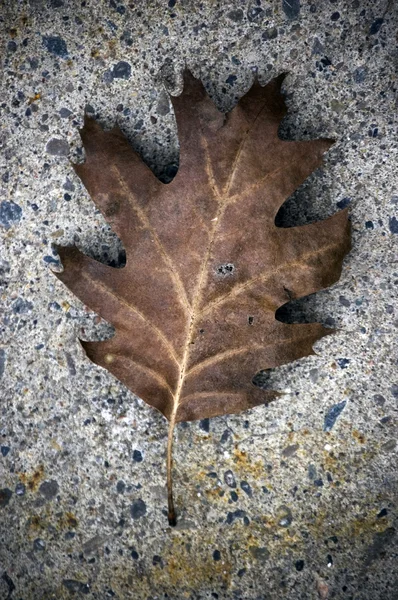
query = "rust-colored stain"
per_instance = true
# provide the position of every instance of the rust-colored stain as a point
(32, 480)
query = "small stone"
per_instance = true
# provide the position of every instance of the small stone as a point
(379, 399)
(39, 544)
(270, 34)
(332, 415)
(163, 104)
(64, 113)
(290, 450)
(343, 362)
(255, 13)
(216, 555)
(260, 554)
(246, 488)
(5, 496)
(134, 554)
(138, 509)
(204, 425)
(285, 516)
(137, 456)
(57, 147)
(375, 27)
(5, 450)
(229, 479)
(2, 362)
(360, 74)
(234, 496)
(76, 586)
(311, 471)
(231, 79)
(382, 513)
(343, 203)
(11, 46)
(389, 446)
(10, 213)
(394, 390)
(393, 224)
(235, 15)
(299, 565)
(122, 70)
(55, 45)
(237, 514)
(21, 306)
(335, 16)
(291, 8)
(20, 489)
(49, 489)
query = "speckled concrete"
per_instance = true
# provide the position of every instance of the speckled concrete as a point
(294, 501)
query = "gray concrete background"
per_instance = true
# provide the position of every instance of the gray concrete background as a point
(82, 463)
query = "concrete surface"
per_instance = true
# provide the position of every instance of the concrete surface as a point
(294, 501)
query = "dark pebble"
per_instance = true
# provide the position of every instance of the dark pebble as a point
(290, 450)
(57, 147)
(260, 554)
(360, 74)
(39, 544)
(50, 260)
(291, 8)
(335, 16)
(238, 514)
(241, 572)
(134, 554)
(76, 586)
(382, 513)
(2, 361)
(344, 301)
(122, 70)
(235, 15)
(55, 45)
(231, 79)
(20, 489)
(234, 496)
(138, 509)
(343, 203)
(5, 496)
(270, 34)
(255, 13)
(216, 555)
(157, 560)
(163, 104)
(10, 213)
(229, 479)
(5, 450)
(246, 488)
(318, 482)
(21, 306)
(11, 46)
(69, 535)
(137, 456)
(49, 489)
(64, 113)
(394, 390)
(393, 224)
(285, 516)
(299, 565)
(204, 424)
(172, 3)
(375, 27)
(369, 225)
(332, 415)
(343, 362)
(139, 124)
(11, 586)
(311, 471)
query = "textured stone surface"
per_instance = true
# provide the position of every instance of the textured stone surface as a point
(296, 500)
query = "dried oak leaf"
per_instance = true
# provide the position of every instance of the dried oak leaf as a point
(194, 307)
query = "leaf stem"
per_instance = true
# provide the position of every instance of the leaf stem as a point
(171, 510)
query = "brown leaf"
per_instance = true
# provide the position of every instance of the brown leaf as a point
(194, 307)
